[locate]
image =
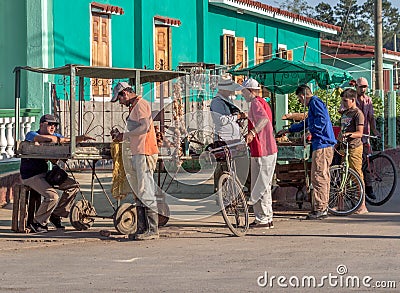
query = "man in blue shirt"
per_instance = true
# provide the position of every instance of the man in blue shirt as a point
(33, 174)
(323, 140)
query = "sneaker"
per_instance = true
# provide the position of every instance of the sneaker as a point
(37, 228)
(255, 225)
(317, 215)
(148, 235)
(56, 221)
(369, 192)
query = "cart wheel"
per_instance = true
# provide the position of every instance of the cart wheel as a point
(163, 214)
(125, 219)
(81, 215)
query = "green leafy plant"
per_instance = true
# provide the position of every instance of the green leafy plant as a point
(332, 100)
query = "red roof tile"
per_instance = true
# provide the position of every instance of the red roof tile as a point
(108, 8)
(168, 20)
(296, 16)
(355, 47)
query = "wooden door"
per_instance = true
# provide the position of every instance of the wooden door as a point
(100, 51)
(162, 55)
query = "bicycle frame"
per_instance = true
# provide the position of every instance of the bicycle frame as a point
(345, 164)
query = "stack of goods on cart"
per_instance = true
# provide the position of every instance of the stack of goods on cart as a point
(296, 138)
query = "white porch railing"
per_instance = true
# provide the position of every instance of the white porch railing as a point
(7, 125)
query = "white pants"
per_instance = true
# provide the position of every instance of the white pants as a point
(262, 171)
(142, 179)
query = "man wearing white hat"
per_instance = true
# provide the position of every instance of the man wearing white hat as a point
(263, 150)
(225, 113)
(226, 116)
(364, 103)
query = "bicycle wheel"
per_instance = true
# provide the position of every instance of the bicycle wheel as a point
(233, 204)
(383, 176)
(344, 199)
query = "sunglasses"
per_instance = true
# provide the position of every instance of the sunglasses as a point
(51, 123)
(121, 93)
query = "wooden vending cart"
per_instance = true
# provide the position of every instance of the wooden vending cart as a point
(293, 169)
(83, 212)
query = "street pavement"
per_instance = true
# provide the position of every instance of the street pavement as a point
(201, 255)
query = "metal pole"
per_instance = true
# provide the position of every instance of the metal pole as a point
(80, 109)
(17, 106)
(396, 74)
(72, 110)
(305, 51)
(378, 45)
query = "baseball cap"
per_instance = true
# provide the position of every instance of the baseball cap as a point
(251, 84)
(118, 88)
(48, 118)
(362, 81)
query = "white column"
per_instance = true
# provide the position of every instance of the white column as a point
(3, 139)
(10, 137)
(22, 122)
(28, 125)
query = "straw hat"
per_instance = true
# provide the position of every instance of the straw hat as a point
(225, 83)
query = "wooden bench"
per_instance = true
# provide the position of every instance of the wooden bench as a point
(26, 203)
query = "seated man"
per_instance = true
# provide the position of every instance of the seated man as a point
(33, 174)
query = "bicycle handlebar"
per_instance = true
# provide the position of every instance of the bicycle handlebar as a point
(371, 136)
(226, 146)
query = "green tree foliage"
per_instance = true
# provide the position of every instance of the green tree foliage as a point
(347, 17)
(324, 13)
(332, 100)
(298, 6)
(390, 17)
(356, 21)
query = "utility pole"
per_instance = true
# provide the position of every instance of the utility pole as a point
(378, 46)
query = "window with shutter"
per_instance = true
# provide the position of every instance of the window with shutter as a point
(284, 53)
(263, 52)
(239, 51)
(290, 55)
(100, 51)
(234, 51)
(386, 80)
(228, 50)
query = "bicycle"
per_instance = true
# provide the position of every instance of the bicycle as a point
(382, 171)
(346, 187)
(231, 198)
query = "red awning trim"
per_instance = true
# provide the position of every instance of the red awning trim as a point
(167, 20)
(267, 8)
(354, 47)
(105, 8)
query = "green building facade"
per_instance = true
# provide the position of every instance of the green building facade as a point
(152, 34)
(52, 33)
